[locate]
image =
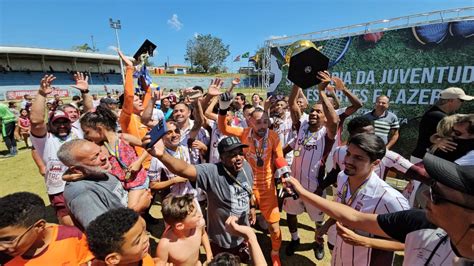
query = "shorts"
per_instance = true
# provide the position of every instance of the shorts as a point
(268, 204)
(298, 206)
(59, 204)
(242, 251)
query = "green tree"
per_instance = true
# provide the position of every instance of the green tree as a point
(206, 52)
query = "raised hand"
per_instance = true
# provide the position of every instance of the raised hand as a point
(236, 81)
(225, 100)
(82, 83)
(125, 59)
(156, 151)
(236, 229)
(339, 84)
(215, 87)
(325, 79)
(45, 85)
(349, 236)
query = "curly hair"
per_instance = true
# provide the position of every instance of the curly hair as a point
(176, 208)
(105, 235)
(225, 259)
(357, 123)
(102, 116)
(21, 209)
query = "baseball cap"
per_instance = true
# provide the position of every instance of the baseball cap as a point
(229, 143)
(457, 177)
(57, 115)
(108, 100)
(455, 93)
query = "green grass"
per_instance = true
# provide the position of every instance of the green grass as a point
(20, 174)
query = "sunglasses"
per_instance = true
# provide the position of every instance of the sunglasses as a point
(437, 199)
(14, 242)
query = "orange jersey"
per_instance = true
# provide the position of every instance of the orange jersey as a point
(148, 260)
(263, 175)
(68, 247)
(130, 122)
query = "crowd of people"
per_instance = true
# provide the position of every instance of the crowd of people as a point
(217, 173)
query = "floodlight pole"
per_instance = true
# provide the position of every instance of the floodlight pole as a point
(117, 26)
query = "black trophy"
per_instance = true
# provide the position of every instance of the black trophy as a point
(305, 61)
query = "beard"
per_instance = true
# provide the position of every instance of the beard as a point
(94, 171)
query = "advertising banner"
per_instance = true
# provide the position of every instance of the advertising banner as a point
(411, 66)
(18, 94)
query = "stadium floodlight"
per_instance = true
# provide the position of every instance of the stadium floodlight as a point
(116, 25)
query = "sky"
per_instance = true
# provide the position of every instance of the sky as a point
(244, 25)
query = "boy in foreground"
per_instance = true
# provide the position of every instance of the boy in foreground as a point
(28, 239)
(119, 237)
(185, 232)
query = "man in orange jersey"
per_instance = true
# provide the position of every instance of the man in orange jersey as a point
(28, 239)
(263, 148)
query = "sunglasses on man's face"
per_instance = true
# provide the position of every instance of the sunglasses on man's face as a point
(437, 199)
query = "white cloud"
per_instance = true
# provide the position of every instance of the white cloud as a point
(175, 23)
(112, 48)
(277, 36)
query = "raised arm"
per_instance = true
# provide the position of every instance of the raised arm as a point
(354, 239)
(346, 215)
(356, 104)
(37, 114)
(213, 90)
(176, 166)
(129, 91)
(147, 113)
(208, 113)
(292, 102)
(224, 102)
(82, 85)
(332, 119)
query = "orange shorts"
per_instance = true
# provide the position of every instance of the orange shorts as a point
(268, 204)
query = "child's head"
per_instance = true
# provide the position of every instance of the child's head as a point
(225, 259)
(95, 124)
(21, 222)
(181, 212)
(24, 112)
(118, 236)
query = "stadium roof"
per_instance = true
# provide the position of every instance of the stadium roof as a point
(60, 53)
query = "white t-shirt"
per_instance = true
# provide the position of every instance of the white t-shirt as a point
(47, 147)
(157, 115)
(467, 159)
(374, 196)
(390, 160)
(78, 129)
(157, 167)
(420, 244)
(308, 150)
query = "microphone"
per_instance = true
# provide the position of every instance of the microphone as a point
(283, 172)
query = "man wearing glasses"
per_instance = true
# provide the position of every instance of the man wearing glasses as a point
(27, 239)
(440, 235)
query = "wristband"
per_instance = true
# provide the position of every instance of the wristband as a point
(253, 206)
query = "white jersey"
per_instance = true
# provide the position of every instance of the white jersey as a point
(203, 136)
(216, 137)
(157, 170)
(420, 244)
(373, 196)
(308, 150)
(78, 129)
(47, 147)
(390, 160)
(284, 129)
(157, 115)
(337, 138)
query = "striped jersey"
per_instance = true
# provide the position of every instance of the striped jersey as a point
(284, 128)
(391, 160)
(309, 150)
(383, 124)
(373, 196)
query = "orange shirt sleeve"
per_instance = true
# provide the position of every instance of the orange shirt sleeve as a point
(228, 130)
(127, 107)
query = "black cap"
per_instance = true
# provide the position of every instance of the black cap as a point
(108, 100)
(147, 47)
(457, 177)
(229, 143)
